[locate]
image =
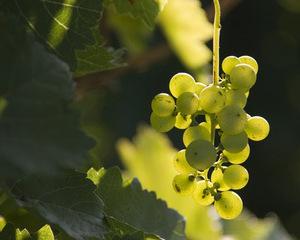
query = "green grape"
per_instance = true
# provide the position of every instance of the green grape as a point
(183, 121)
(234, 143)
(195, 133)
(187, 103)
(217, 177)
(242, 77)
(232, 119)
(229, 206)
(250, 61)
(236, 177)
(229, 63)
(199, 87)
(239, 157)
(206, 125)
(163, 105)
(162, 124)
(180, 83)
(257, 128)
(212, 99)
(184, 184)
(236, 97)
(201, 154)
(180, 163)
(202, 193)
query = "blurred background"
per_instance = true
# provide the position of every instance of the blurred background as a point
(266, 30)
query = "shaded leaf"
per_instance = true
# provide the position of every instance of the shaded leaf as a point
(67, 201)
(144, 10)
(68, 26)
(128, 203)
(39, 132)
(150, 159)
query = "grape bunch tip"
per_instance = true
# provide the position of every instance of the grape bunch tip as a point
(210, 173)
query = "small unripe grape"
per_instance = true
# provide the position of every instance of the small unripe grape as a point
(236, 97)
(236, 177)
(217, 177)
(250, 61)
(242, 77)
(180, 83)
(201, 154)
(192, 134)
(229, 63)
(199, 87)
(184, 184)
(239, 157)
(183, 121)
(162, 124)
(202, 194)
(163, 105)
(232, 119)
(257, 128)
(229, 206)
(212, 99)
(187, 103)
(181, 165)
(234, 143)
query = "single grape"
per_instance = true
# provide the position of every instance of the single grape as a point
(199, 87)
(212, 99)
(200, 154)
(162, 124)
(163, 105)
(242, 77)
(236, 97)
(206, 125)
(180, 163)
(239, 157)
(257, 128)
(229, 206)
(217, 178)
(236, 177)
(184, 184)
(229, 63)
(195, 133)
(180, 83)
(234, 143)
(202, 193)
(187, 103)
(250, 61)
(183, 121)
(232, 119)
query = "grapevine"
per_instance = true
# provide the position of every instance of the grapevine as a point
(209, 168)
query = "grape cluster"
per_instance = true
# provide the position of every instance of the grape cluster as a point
(211, 114)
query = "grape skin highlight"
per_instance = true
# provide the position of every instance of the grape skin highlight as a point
(181, 83)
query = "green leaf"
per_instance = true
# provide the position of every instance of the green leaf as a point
(187, 29)
(39, 132)
(150, 159)
(45, 233)
(68, 28)
(144, 10)
(67, 201)
(128, 203)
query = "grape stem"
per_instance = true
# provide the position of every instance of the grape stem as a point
(216, 58)
(216, 42)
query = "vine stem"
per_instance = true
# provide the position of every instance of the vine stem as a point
(216, 42)
(216, 59)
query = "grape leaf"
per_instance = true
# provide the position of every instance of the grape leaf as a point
(145, 10)
(128, 203)
(151, 155)
(187, 31)
(39, 131)
(68, 28)
(67, 201)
